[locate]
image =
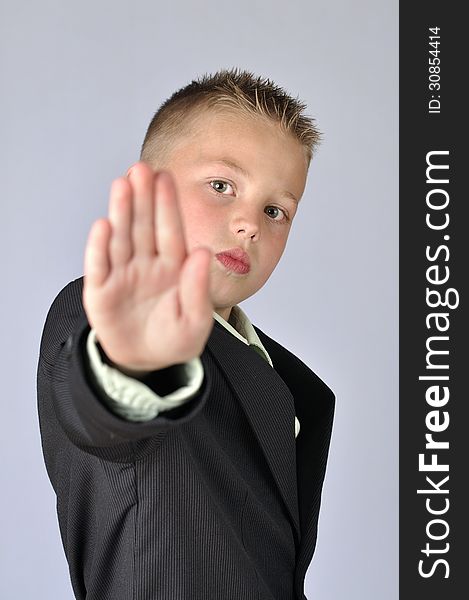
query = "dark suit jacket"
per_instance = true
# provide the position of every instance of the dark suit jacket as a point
(214, 499)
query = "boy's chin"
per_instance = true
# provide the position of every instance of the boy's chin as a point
(228, 300)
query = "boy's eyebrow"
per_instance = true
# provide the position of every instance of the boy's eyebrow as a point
(230, 163)
(291, 196)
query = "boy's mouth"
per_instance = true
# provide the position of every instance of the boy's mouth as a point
(235, 259)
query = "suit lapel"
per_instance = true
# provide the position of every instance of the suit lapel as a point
(269, 407)
(314, 407)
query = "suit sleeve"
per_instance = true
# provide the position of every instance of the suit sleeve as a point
(69, 396)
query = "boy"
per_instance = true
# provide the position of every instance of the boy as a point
(187, 448)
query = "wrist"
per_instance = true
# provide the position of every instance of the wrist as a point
(125, 369)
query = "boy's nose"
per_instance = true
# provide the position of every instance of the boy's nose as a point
(246, 228)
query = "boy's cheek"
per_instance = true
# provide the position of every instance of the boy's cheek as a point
(195, 224)
(203, 228)
(198, 234)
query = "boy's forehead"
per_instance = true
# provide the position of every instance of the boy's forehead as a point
(225, 135)
(245, 144)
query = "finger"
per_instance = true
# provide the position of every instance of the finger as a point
(194, 287)
(120, 217)
(129, 170)
(168, 223)
(96, 262)
(141, 178)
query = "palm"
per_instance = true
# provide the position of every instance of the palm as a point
(147, 299)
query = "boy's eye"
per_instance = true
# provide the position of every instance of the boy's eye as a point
(220, 186)
(274, 212)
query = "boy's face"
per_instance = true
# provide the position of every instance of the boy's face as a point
(238, 182)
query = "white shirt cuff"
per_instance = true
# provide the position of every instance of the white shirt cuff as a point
(131, 398)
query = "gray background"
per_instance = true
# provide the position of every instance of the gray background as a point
(80, 83)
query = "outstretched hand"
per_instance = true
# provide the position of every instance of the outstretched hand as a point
(145, 296)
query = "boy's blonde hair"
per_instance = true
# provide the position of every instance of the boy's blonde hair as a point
(238, 92)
